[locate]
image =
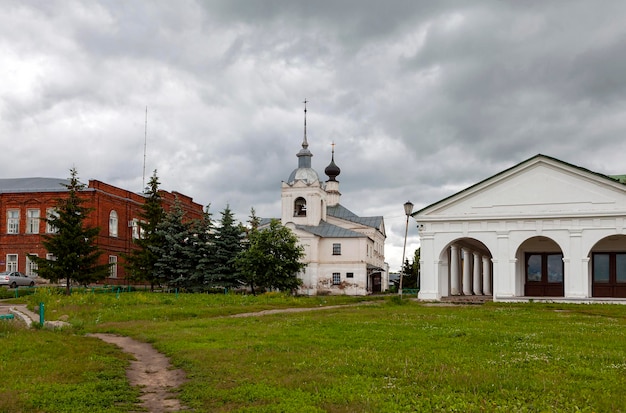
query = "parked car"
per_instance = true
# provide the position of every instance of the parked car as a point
(14, 279)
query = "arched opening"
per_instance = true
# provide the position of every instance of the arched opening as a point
(543, 268)
(299, 209)
(467, 267)
(608, 267)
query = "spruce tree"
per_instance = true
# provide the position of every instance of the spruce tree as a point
(411, 271)
(228, 244)
(204, 243)
(73, 245)
(140, 263)
(176, 254)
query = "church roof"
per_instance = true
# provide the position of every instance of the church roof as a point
(339, 211)
(332, 170)
(15, 185)
(326, 230)
(307, 175)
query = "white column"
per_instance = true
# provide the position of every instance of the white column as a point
(467, 274)
(477, 281)
(486, 276)
(454, 270)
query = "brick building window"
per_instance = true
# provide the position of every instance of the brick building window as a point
(32, 221)
(112, 266)
(11, 262)
(51, 213)
(136, 229)
(336, 249)
(113, 224)
(13, 222)
(336, 278)
(31, 266)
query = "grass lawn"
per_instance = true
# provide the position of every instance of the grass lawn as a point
(381, 357)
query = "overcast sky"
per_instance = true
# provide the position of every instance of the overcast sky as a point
(422, 98)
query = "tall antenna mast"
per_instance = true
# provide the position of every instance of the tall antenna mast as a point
(145, 141)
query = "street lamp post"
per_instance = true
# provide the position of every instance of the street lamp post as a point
(408, 209)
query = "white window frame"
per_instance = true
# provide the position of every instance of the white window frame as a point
(11, 262)
(50, 257)
(51, 212)
(136, 230)
(32, 221)
(113, 224)
(31, 266)
(112, 266)
(13, 221)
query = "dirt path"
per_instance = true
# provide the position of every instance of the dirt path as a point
(299, 309)
(152, 372)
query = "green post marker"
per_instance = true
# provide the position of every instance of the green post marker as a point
(41, 313)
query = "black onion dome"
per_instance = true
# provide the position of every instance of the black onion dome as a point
(332, 170)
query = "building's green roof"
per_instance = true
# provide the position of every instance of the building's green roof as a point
(619, 178)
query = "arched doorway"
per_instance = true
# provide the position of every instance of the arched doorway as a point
(467, 263)
(543, 267)
(608, 267)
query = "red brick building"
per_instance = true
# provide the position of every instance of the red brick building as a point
(25, 201)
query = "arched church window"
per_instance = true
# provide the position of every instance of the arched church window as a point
(300, 207)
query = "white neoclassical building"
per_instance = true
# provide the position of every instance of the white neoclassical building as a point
(344, 253)
(542, 229)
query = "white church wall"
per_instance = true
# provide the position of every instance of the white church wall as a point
(356, 285)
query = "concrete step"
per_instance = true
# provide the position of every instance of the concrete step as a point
(467, 299)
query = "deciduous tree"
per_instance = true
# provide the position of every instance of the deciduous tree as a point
(272, 259)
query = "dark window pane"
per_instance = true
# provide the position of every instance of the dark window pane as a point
(555, 268)
(620, 268)
(533, 271)
(601, 268)
(336, 249)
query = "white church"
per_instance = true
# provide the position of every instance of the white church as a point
(541, 230)
(344, 253)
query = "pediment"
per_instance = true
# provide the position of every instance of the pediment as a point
(538, 186)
